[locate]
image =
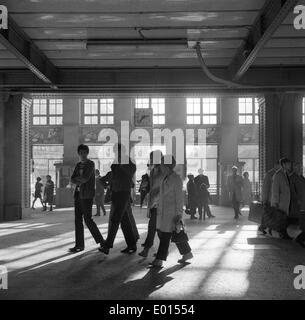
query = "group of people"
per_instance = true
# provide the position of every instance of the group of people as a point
(46, 195)
(165, 205)
(284, 191)
(198, 196)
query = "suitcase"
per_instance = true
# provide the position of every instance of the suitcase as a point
(256, 212)
(275, 219)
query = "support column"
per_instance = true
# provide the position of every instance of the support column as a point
(228, 148)
(71, 121)
(2, 106)
(281, 128)
(13, 159)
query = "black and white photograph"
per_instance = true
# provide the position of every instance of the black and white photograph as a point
(152, 152)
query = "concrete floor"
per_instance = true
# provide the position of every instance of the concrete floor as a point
(231, 262)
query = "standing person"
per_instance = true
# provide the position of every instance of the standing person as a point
(281, 194)
(247, 190)
(48, 197)
(38, 192)
(123, 171)
(202, 186)
(144, 187)
(99, 194)
(84, 179)
(266, 196)
(169, 214)
(235, 184)
(157, 174)
(192, 196)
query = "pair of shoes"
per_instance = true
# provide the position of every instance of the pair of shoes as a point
(144, 253)
(186, 257)
(105, 214)
(236, 217)
(211, 216)
(262, 230)
(157, 263)
(194, 218)
(129, 250)
(97, 215)
(104, 249)
(76, 249)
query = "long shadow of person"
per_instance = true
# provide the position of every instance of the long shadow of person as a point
(141, 289)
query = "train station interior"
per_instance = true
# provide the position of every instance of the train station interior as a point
(73, 72)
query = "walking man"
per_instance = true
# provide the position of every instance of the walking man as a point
(123, 170)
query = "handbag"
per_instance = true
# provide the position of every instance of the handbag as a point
(179, 237)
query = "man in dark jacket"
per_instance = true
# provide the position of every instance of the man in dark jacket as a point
(123, 170)
(84, 179)
(191, 196)
(202, 186)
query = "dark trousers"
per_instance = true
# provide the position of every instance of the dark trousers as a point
(236, 206)
(165, 239)
(152, 229)
(83, 210)
(142, 197)
(121, 214)
(204, 208)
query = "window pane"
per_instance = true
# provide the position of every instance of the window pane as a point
(206, 119)
(249, 119)
(196, 119)
(242, 120)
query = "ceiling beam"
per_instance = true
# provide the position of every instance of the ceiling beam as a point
(157, 79)
(270, 18)
(18, 43)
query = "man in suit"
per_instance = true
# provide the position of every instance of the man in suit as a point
(84, 179)
(281, 193)
(202, 185)
(122, 173)
(235, 184)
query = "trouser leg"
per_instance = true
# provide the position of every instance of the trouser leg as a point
(129, 228)
(120, 201)
(91, 225)
(165, 238)
(79, 227)
(98, 209)
(152, 225)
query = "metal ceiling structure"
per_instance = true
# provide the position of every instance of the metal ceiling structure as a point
(127, 44)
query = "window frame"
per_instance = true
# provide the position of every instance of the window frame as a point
(141, 104)
(48, 116)
(96, 118)
(253, 115)
(198, 118)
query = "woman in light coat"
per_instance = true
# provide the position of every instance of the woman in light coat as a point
(169, 213)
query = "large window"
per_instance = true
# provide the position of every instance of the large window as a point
(201, 111)
(103, 157)
(157, 105)
(248, 111)
(98, 111)
(47, 112)
(203, 157)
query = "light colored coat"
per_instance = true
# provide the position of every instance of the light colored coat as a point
(170, 203)
(236, 187)
(267, 186)
(281, 195)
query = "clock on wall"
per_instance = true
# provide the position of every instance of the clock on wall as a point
(143, 117)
